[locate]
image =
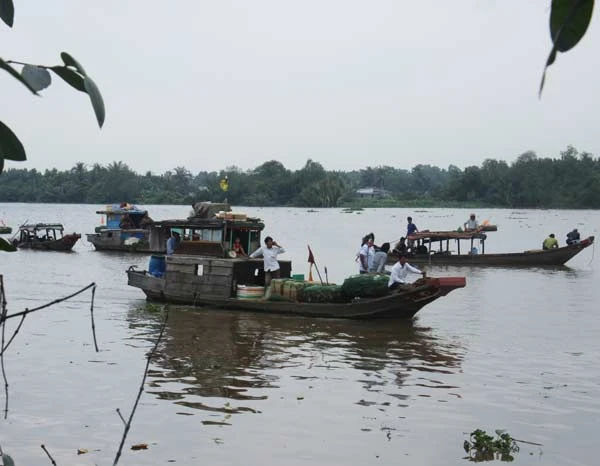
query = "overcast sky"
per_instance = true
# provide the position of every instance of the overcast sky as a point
(347, 83)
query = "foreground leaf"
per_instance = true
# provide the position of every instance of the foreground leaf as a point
(569, 20)
(96, 98)
(8, 247)
(7, 12)
(15, 74)
(37, 77)
(70, 61)
(10, 146)
(72, 78)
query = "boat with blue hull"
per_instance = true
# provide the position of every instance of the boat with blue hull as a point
(125, 227)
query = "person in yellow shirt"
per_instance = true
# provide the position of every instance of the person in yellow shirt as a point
(550, 242)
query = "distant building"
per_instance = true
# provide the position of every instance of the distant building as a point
(373, 193)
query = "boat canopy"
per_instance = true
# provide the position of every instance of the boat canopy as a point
(35, 227)
(428, 236)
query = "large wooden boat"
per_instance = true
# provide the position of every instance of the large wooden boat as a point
(127, 228)
(433, 247)
(45, 237)
(202, 271)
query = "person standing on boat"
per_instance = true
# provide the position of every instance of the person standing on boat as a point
(365, 255)
(410, 229)
(400, 271)
(269, 252)
(172, 243)
(550, 242)
(471, 224)
(379, 259)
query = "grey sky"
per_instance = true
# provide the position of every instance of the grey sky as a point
(347, 83)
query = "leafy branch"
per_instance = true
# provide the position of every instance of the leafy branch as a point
(38, 77)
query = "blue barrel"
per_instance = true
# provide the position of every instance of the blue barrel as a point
(156, 266)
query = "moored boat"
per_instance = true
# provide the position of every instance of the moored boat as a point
(203, 271)
(433, 247)
(45, 237)
(127, 228)
(5, 230)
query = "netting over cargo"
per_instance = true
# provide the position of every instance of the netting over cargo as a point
(365, 286)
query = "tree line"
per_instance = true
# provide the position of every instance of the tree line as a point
(569, 181)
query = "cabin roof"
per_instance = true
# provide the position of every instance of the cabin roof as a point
(193, 222)
(41, 226)
(118, 209)
(444, 235)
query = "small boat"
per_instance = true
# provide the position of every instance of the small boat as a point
(203, 272)
(433, 247)
(5, 230)
(127, 228)
(45, 237)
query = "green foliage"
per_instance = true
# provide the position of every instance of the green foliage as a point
(484, 447)
(569, 20)
(36, 78)
(570, 181)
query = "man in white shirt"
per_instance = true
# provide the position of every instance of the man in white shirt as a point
(471, 224)
(269, 252)
(400, 271)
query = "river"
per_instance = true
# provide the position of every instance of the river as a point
(517, 349)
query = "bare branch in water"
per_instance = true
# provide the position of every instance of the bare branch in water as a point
(141, 390)
(121, 416)
(92, 314)
(49, 455)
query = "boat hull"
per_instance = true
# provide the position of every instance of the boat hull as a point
(534, 258)
(65, 243)
(402, 304)
(124, 240)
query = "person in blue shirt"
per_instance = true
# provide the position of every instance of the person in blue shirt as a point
(172, 242)
(410, 229)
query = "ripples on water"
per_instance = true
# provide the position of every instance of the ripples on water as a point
(516, 349)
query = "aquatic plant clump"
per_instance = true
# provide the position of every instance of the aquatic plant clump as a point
(484, 447)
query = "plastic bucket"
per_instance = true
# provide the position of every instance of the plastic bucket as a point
(299, 277)
(157, 266)
(250, 292)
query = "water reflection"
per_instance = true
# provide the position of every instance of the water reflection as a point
(229, 362)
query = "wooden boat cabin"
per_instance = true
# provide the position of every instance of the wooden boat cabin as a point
(124, 227)
(204, 253)
(48, 236)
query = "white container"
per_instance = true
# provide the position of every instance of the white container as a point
(250, 292)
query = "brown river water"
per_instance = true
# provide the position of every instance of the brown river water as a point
(517, 349)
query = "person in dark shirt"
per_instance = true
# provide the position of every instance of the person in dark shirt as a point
(573, 237)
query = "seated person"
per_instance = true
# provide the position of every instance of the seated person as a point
(146, 221)
(550, 242)
(401, 246)
(573, 237)
(400, 272)
(471, 224)
(238, 248)
(126, 223)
